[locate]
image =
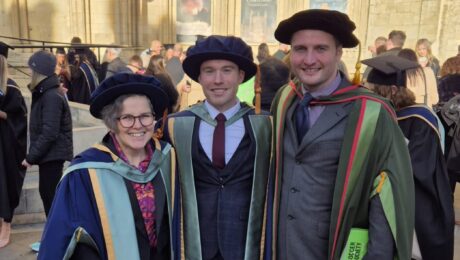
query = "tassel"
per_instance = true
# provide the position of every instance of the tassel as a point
(257, 91)
(357, 77)
(159, 132)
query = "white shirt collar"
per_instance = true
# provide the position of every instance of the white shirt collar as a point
(213, 112)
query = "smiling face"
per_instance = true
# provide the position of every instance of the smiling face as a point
(314, 58)
(133, 139)
(220, 80)
(422, 50)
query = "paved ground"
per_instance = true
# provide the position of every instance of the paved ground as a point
(24, 235)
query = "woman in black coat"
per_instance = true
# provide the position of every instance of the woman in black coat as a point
(50, 126)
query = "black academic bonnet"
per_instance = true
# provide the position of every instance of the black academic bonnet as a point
(336, 23)
(126, 83)
(4, 49)
(389, 70)
(217, 47)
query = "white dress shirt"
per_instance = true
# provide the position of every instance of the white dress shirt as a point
(233, 133)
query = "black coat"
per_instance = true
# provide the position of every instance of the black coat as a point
(13, 145)
(50, 124)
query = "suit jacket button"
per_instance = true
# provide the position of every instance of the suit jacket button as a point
(290, 217)
(293, 190)
(298, 162)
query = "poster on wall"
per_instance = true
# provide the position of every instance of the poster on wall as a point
(258, 21)
(338, 5)
(193, 20)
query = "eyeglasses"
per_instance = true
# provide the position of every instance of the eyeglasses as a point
(128, 121)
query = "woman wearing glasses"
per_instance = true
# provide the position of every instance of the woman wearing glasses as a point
(114, 199)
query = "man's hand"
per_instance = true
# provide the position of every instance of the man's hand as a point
(26, 164)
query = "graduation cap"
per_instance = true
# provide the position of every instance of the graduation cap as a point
(4, 49)
(389, 70)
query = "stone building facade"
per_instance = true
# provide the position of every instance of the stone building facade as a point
(137, 22)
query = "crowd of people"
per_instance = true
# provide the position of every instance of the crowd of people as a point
(316, 166)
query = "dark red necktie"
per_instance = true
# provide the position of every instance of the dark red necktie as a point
(218, 143)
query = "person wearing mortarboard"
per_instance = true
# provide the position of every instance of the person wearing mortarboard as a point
(223, 154)
(13, 145)
(434, 213)
(342, 173)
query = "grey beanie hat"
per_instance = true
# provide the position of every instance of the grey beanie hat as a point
(43, 62)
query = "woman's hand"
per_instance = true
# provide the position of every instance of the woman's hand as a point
(3, 115)
(26, 164)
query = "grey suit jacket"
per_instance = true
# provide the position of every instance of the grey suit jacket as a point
(308, 180)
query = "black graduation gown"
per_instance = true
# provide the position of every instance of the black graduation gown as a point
(13, 144)
(434, 214)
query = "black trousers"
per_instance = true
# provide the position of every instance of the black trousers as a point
(49, 175)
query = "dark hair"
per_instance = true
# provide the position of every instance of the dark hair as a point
(273, 74)
(263, 52)
(155, 66)
(403, 97)
(451, 66)
(170, 90)
(75, 39)
(397, 38)
(412, 74)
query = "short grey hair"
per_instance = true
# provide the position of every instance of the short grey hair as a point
(115, 51)
(111, 112)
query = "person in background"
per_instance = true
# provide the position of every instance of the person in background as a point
(379, 46)
(78, 49)
(426, 57)
(114, 201)
(84, 79)
(376, 49)
(273, 75)
(449, 111)
(179, 52)
(13, 146)
(434, 212)
(135, 65)
(393, 45)
(50, 127)
(223, 155)
(450, 79)
(115, 63)
(395, 42)
(263, 52)
(156, 68)
(155, 49)
(174, 65)
(283, 50)
(421, 81)
(62, 68)
(169, 52)
(335, 144)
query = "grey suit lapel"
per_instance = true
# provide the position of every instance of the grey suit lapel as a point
(331, 116)
(290, 123)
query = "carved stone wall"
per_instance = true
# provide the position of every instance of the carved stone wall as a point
(137, 22)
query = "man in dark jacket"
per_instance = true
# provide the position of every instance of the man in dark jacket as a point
(50, 126)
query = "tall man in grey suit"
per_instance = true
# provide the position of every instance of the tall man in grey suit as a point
(341, 169)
